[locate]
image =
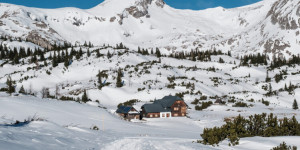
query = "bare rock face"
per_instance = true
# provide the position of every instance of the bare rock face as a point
(35, 38)
(112, 19)
(1, 23)
(275, 46)
(140, 9)
(160, 3)
(41, 24)
(281, 13)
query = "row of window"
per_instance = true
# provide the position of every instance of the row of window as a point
(163, 115)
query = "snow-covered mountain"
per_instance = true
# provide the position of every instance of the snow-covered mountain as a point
(267, 26)
(49, 84)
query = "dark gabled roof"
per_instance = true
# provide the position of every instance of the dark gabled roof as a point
(155, 108)
(162, 105)
(124, 109)
(168, 101)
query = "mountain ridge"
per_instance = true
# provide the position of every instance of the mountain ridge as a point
(152, 23)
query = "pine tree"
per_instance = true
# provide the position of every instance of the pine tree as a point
(2, 53)
(45, 63)
(66, 62)
(42, 57)
(99, 81)
(108, 55)
(98, 53)
(88, 53)
(268, 79)
(54, 60)
(90, 45)
(270, 89)
(119, 78)
(229, 53)
(285, 87)
(295, 104)
(16, 59)
(59, 59)
(221, 60)
(10, 86)
(84, 97)
(80, 52)
(158, 54)
(22, 90)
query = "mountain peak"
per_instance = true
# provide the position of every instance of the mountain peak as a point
(140, 8)
(159, 3)
(136, 8)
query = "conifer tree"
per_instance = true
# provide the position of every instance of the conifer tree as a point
(54, 60)
(42, 57)
(121, 46)
(108, 55)
(270, 89)
(59, 57)
(16, 59)
(285, 87)
(50, 57)
(10, 86)
(98, 53)
(119, 78)
(88, 53)
(22, 90)
(229, 53)
(2, 53)
(80, 52)
(295, 104)
(85, 97)
(66, 62)
(99, 80)
(90, 45)
(158, 54)
(268, 79)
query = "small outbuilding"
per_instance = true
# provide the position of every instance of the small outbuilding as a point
(128, 112)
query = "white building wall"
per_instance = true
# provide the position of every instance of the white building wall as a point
(165, 114)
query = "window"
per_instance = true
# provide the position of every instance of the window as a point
(151, 116)
(176, 108)
(156, 115)
(175, 115)
(163, 115)
(182, 114)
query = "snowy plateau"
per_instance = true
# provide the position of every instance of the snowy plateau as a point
(246, 58)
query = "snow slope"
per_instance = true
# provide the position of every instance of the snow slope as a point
(73, 119)
(67, 126)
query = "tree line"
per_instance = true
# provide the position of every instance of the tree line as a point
(255, 125)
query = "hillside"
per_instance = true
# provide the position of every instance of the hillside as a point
(146, 77)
